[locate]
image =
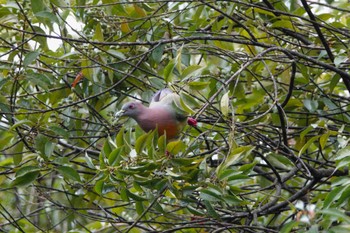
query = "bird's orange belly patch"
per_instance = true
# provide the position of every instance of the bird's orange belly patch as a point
(171, 130)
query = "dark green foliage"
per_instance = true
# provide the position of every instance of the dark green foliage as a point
(268, 82)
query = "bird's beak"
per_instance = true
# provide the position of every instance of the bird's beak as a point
(119, 113)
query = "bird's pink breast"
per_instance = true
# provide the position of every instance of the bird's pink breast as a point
(163, 118)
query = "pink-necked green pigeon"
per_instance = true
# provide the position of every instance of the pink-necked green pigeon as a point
(161, 113)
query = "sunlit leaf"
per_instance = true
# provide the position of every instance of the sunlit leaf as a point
(224, 104)
(234, 156)
(175, 147)
(89, 161)
(98, 33)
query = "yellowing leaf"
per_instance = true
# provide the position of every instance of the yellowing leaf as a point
(98, 33)
(140, 12)
(87, 72)
(283, 24)
(125, 27)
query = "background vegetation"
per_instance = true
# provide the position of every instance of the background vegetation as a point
(268, 82)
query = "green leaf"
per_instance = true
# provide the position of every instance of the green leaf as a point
(89, 161)
(334, 82)
(310, 105)
(17, 158)
(343, 153)
(58, 130)
(49, 148)
(60, 3)
(280, 161)
(27, 169)
(99, 186)
(157, 53)
(185, 107)
(139, 207)
(47, 15)
(86, 70)
(117, 54)
(234, 156)
(345, 194)
(211, 211)
(162, 144)
(333, 196)
(197, 85)
(37, 6)
(120, 137)
(343, 163)
(337, 214)
(210, 195)
(229, 174)
(264, 12)
(306, 131)
(39, 79)
(30, 57)
(98, 36)
(308, 144)
(283, 24)
(231, 199)
(195, 211)
(140, 143)
(175, 147)
(114, 157)
(40, 142)
(135, 196)
(26, 179)
(68, 173)
(21, 122)
(287, 227)
(192, 71)
(178, 59)
(247, 168)
(168, 70)
(183, 162)
(324, 139)
(123, 194)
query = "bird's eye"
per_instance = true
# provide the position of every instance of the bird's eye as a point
(131, 106)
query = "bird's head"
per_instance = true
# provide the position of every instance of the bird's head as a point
(131, 109)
